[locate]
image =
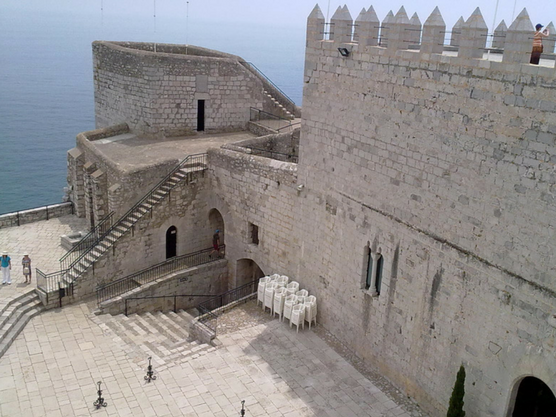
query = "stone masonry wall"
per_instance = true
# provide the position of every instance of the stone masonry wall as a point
(249, 189)
(186, 208)
(444, 166)
(18, 218)
(157, 93)
(207, 279)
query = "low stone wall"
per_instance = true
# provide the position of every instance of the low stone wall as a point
(17, 218)
(205, 279)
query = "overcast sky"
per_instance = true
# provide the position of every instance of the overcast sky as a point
(286, 12)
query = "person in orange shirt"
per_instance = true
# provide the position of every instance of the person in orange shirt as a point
(537, 44)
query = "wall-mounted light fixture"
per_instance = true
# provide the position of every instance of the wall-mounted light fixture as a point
(344, 52)
(300, 187)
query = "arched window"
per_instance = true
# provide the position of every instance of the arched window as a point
(379, 264)
(369, 275)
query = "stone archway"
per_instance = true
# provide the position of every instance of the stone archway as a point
(534, 399)
(247, 270)
(217, 223)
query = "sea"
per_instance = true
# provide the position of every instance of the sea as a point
(46, 83)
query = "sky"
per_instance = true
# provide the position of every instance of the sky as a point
(286, 13)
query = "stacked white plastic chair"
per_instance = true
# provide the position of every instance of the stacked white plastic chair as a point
(291, 300)
(269, 296)
(302, 293)
(279, 299)
(311, 309)
(292, 287)
(260, 290)
(298, 316)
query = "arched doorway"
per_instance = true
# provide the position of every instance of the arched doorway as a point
(171, 242)
(216, 223)
(534, 399)
(247, 270)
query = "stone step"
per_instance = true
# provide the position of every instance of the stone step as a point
(162, 328)
(156, 335)
(181, 332)
(8, 309)
(183, 321)
(17, 321)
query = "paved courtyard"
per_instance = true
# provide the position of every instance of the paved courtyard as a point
(53, 366)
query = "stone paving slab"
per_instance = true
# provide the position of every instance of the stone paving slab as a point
(41, 241)
(52, 367)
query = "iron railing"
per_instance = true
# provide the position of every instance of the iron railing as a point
(287, 157)
(262, 74)
(89, 240)
(228, 297)
(138, 305)
(49, 282)
(291, 125)
(36, 208)
(130, 282)
(191, 161)
(256, 115)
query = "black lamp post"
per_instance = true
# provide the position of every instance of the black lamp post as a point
(242, 411)
(150, 373)
(100, 401)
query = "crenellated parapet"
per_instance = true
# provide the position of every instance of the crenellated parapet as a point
(469, 39)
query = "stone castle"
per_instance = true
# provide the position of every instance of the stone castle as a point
(416, 200)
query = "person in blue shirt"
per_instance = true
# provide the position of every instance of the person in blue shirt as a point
(6, 266)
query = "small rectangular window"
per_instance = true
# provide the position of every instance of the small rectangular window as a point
(254, 233)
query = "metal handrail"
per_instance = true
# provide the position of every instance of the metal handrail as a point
(200, 156)
(227, 297)
(271, 83)
(261, 152)
(272, 116)
(49, 282)
(128, 283)
(163, 297)
(36, 208)
(90, 239)
(289, 126)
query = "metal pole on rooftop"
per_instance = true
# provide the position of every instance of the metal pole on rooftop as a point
(186, 26)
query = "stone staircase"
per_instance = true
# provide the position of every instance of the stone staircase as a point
(183, 172)
(281, 108)
(15, 315)
(163, 336)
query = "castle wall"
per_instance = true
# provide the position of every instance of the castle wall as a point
(444, 165)
(158, 92)
(185, 208)
(249, 189)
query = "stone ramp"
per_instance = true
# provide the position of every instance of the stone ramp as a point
(162, 336)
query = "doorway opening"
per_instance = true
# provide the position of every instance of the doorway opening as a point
(534, 399)
(200, 115)
(247, 270)
(171, 242)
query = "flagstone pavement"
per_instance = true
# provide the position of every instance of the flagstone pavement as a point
(53, 366)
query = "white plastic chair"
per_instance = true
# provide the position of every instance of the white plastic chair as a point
(303, 293)
(269, 296)
(298, 316)
(274, 277)
(283, 279)
(291, 300)
(260, 290)
(310, 311)
(279, 300)
(300, 299)
(292, 287)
